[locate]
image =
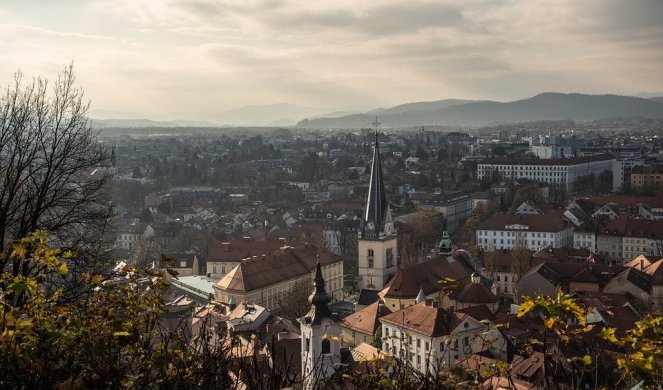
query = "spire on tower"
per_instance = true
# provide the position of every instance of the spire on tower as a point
(319, 299)
(376, 205)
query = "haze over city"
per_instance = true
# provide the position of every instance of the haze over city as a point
(168, 60)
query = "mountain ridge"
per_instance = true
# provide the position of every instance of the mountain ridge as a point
(544, 106)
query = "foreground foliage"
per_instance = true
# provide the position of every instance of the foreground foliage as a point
(114, 337)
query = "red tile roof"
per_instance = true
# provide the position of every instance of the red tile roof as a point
(422, 318)
(537, 223)
(631, 227)
(236, 251)
(366, 319)
(425, 275)
(277, 267)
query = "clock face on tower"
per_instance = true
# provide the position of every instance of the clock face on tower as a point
(370, 226)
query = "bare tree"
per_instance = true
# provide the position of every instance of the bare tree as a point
(520, 262)
(295, 302)
(421, 232)
(52, 169)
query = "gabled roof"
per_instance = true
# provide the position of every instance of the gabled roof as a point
(632, 227)
(236, 251)
(562, 273)
(478, 312)
(631, 275)
(367, 297)
(656, 272)
(366, 319)
(425, 275)
(422, 318)
(277, 267)
(475, 293)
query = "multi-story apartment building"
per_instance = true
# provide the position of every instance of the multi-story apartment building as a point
(504, 231)
(583, 239)
(650, 178)
(551, 151)
(456, 208)
(621, 171)
(625, 238)
(565, 171)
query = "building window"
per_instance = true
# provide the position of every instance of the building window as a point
(390, 257)
(441, 346)
(326, 346)
(427, 346)
(370, 262)
(370, 253)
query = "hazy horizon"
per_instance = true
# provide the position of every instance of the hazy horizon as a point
(183, 59)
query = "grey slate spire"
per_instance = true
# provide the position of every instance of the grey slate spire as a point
(319, 300)
(376, 205)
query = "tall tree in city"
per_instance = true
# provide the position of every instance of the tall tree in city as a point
(520, 262)
(52, 169)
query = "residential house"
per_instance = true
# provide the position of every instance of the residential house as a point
(625, 238)
(430, 337)
(549, 277)
(647, 177)
(360, 326)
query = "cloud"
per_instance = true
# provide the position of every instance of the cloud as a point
(179, 55)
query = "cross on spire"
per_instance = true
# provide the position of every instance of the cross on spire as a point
(376, 124)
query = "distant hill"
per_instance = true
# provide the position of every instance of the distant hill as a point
(268, 114)
(657, 99)
(419, 106)
(545, 106)
(134, 123)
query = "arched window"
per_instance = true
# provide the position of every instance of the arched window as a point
(326, 346)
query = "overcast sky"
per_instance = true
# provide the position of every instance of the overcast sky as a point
(183, 58)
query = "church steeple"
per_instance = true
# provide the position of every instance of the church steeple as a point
(377, 209)
(320, 337)
(319, 300)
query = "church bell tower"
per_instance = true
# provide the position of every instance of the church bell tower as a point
(377, 237)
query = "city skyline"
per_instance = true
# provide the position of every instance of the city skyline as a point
(190, 59)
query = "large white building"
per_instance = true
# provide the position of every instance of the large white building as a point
(503, 231)
(564, 171)
(431, 338)
(551, 151)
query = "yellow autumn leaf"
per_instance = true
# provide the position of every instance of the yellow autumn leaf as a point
(63, 270)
